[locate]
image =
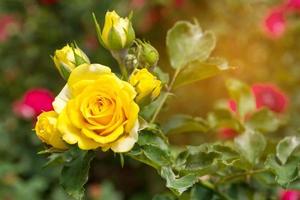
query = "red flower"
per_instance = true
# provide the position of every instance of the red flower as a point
(232, 105)
(48, 2)
(275, 23)
(293, 4)
(266, 95)
(33, 103)
(227, 133)
(289, 195)
(6, 22)
(270, 96)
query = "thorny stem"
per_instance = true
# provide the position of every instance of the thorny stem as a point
(165, 96)
(120, 57)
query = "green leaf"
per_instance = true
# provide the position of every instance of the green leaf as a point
(285, 174)
(186, 42)
(157, 156)
(75, 173)
(221, 118)
(286, 147)
(251, 145)
(177, 184)
(264, 120)
(148, 111)
(198, 70)
(98, 30)
(184, 124)
(162, 76)
(150, 138)
(205, 159)
(198, 192)
(242, 94)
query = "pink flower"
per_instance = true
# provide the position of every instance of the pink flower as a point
(293, 4)
(48, 2)
(290, 195)
(33, 102)
(232, 105)
(6, 22)
(227, 133)
(270, 96)
(275, 23)
(266, 95)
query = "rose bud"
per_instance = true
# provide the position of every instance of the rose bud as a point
(147, 54)
(147, 86)
(117, 32)
(45, 129)
(67, 58)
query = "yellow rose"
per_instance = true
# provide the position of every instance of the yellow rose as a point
(45, 129)
(97, 109)
(67, 58)
(147, 86)
(117, 31)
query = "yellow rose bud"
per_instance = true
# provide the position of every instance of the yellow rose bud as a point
(67, 58)
(117, 32)
(97, 109)
(147, 85)
(45, 129)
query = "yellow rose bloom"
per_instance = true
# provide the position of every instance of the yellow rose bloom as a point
(147, 85)
(97, 109)
(117, 31)
(65, 62)
(45, 129)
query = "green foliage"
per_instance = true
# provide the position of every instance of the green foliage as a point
(224, 118)
(186, 42)
(264, 121)
(75, 172)
(286, 147)
(251, 145)
(285, 173)
(199, 70)
(184, 123)
(175, 183)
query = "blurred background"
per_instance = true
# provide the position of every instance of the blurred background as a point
(259, 37)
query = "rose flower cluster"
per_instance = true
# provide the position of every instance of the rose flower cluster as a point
(97, 108)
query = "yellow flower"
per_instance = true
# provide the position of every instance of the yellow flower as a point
(45, 129)
(67, 58)
(97, 109)
(147, 86)
(117, 32)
